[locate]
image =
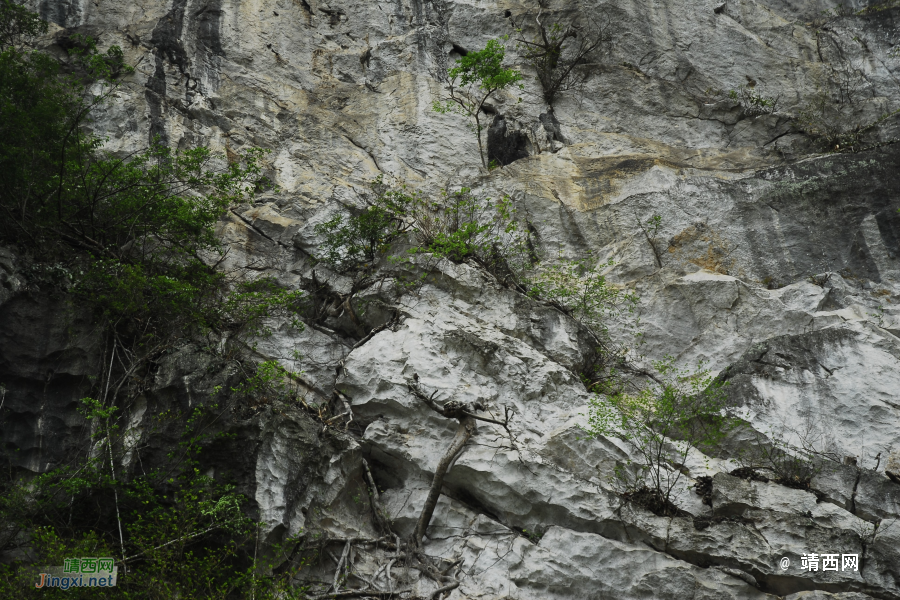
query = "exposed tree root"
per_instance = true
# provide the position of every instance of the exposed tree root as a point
(410, 552)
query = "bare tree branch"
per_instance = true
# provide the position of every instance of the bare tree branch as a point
(557, 50)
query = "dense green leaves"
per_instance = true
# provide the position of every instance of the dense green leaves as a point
(185, 534)
(356, 242)
(130, 241)
(131, 236)
(50, 171)
(18, 25)
(484, 69)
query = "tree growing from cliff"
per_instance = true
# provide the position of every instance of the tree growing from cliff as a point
(129, 242)
(18, 25)
(558, 51)
(476, 77)
(132, 238)
(662, 423)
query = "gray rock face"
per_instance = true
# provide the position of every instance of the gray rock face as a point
(777, 266)
(820, 373)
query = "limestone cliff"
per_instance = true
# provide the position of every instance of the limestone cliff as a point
(774, 262)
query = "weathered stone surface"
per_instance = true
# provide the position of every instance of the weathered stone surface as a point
(47, 353)
(820, 595)
(892, 466)
(834, 389)
(793, 523)
(779, 265)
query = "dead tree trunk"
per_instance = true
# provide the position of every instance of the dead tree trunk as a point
(463, 433)
(466, 415)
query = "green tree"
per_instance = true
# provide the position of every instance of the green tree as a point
(173, 531)
(356, 242)
(18, 25)
(579, 289)
(131, 237)
(475, 78)
(129, 241)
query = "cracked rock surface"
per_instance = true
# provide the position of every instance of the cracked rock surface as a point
(778, 266)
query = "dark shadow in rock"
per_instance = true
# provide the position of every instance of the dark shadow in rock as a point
(503, 145)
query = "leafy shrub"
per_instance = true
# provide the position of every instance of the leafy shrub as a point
(662, 422)
(268, 382)
(173, 531)
(476, 77)
(131, 238)
(357, 242)
(458, 226)
(130, 241)
(18, 25)
(462, 227)
(752, 102)
(579, 289)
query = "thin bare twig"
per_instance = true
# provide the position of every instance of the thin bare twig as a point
(112, 469)
(170, 542)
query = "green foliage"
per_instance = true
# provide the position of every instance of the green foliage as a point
(463, 227)
(131, 241)
(753, 103)
(581, 289)
(662, 423)
(130, 237)
(653, 224)
(250, 304)
(357, 242)
(268, 382)
(48, 173)
(474, 79)
(458, 226)
(185, 534)
(484, 69)
(18, 25)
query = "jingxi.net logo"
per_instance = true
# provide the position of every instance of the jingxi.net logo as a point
(79, 572)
